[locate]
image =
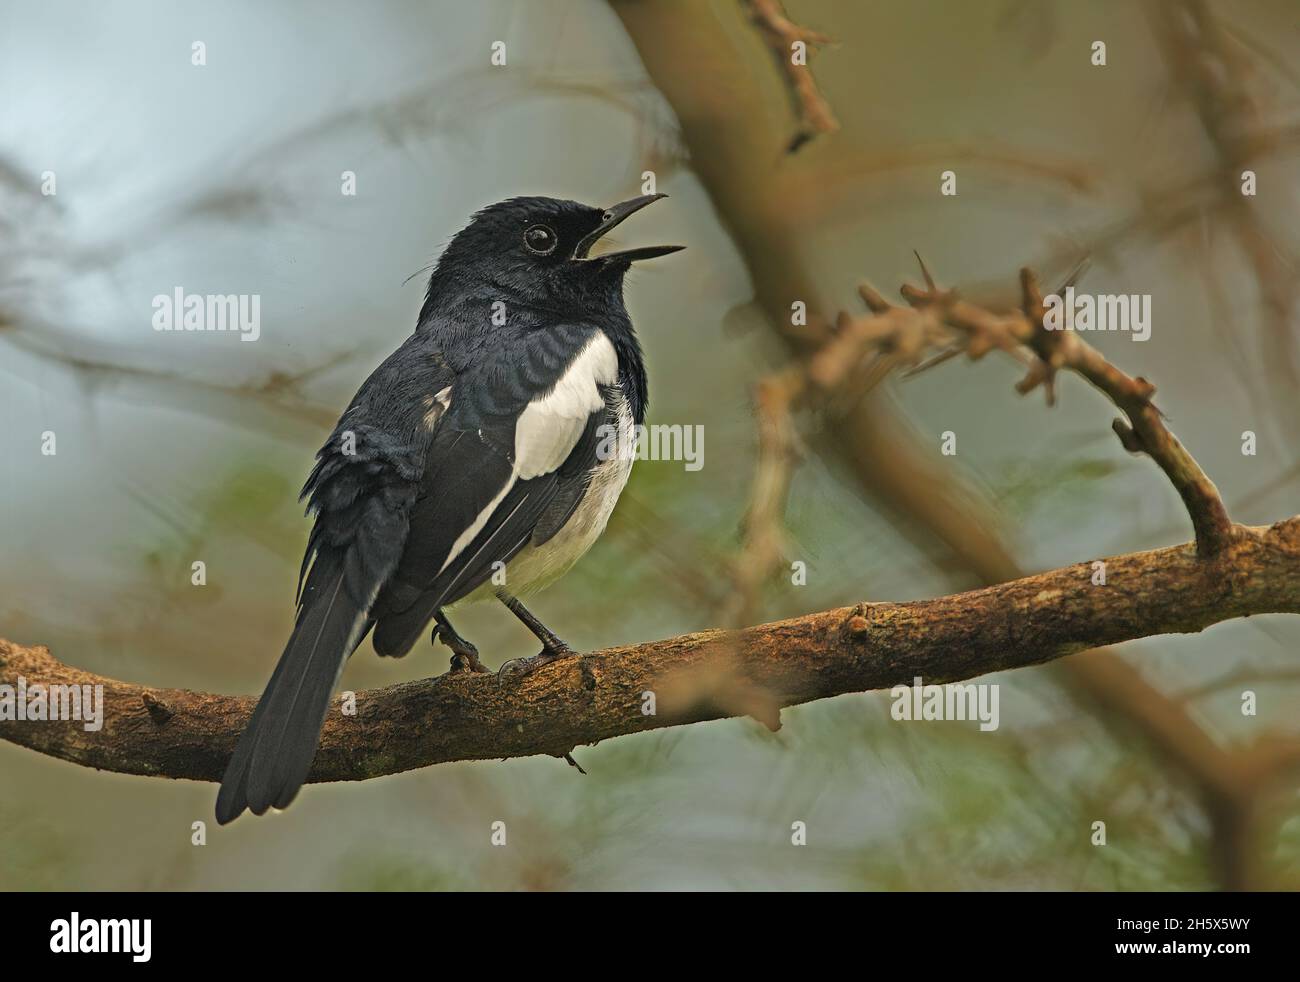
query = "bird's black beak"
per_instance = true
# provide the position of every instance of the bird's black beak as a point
(614, 216)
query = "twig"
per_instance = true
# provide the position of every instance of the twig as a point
(978, 331)
(763, 537)
(1213, 70)
(278, 391)
(813, 111)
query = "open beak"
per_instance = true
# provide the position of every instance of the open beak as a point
(614, 216)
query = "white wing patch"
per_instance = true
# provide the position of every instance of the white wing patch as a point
(550, 426)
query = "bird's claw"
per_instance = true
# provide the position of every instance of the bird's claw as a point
(464, 656)
(526, 666)
(467, 664)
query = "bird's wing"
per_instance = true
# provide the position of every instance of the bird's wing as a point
(487, 490)
(362, 491)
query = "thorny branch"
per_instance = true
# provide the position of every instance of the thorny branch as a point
(725, 128)
(941, 319)
(782, 34)
(938, 324)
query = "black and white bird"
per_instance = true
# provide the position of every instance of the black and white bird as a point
(495, 440)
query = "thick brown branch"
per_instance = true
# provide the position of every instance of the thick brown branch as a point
(715, 674)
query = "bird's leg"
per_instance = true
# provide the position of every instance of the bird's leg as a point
(552, 646)
(464, 656)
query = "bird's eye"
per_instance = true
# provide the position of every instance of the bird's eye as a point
(540, 239)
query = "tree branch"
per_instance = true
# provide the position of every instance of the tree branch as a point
(940, 319)
(687, 51)
(813, 111)
(581, 700)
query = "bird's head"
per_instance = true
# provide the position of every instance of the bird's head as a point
(540, 249)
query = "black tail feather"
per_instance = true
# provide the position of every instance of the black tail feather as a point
(275, 752)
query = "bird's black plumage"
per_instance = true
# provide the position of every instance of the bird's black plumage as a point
(475, 442)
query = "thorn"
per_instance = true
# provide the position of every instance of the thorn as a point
(1130, 440)
(1075, 274)
(951, 351)
(913, 295)
(874, 301)
(1031, 295)
(1036, 376)
(929, 280)
(798, 142)
(573, 763)
(980, 345)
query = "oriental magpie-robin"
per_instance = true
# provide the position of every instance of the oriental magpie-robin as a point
(495, 440)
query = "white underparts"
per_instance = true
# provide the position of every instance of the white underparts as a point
(537, 566)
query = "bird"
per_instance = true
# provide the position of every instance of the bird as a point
(480, 460)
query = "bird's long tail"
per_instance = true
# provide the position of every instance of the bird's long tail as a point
(274, 754)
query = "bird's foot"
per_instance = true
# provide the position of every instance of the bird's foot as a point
(464, 656)
(526, 666)
(463, 663)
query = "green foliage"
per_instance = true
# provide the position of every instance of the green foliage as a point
(32, 856)
(396, 874)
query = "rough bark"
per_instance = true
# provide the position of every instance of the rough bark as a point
(710, 675)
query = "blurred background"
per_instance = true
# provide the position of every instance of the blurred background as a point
(225, 178)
